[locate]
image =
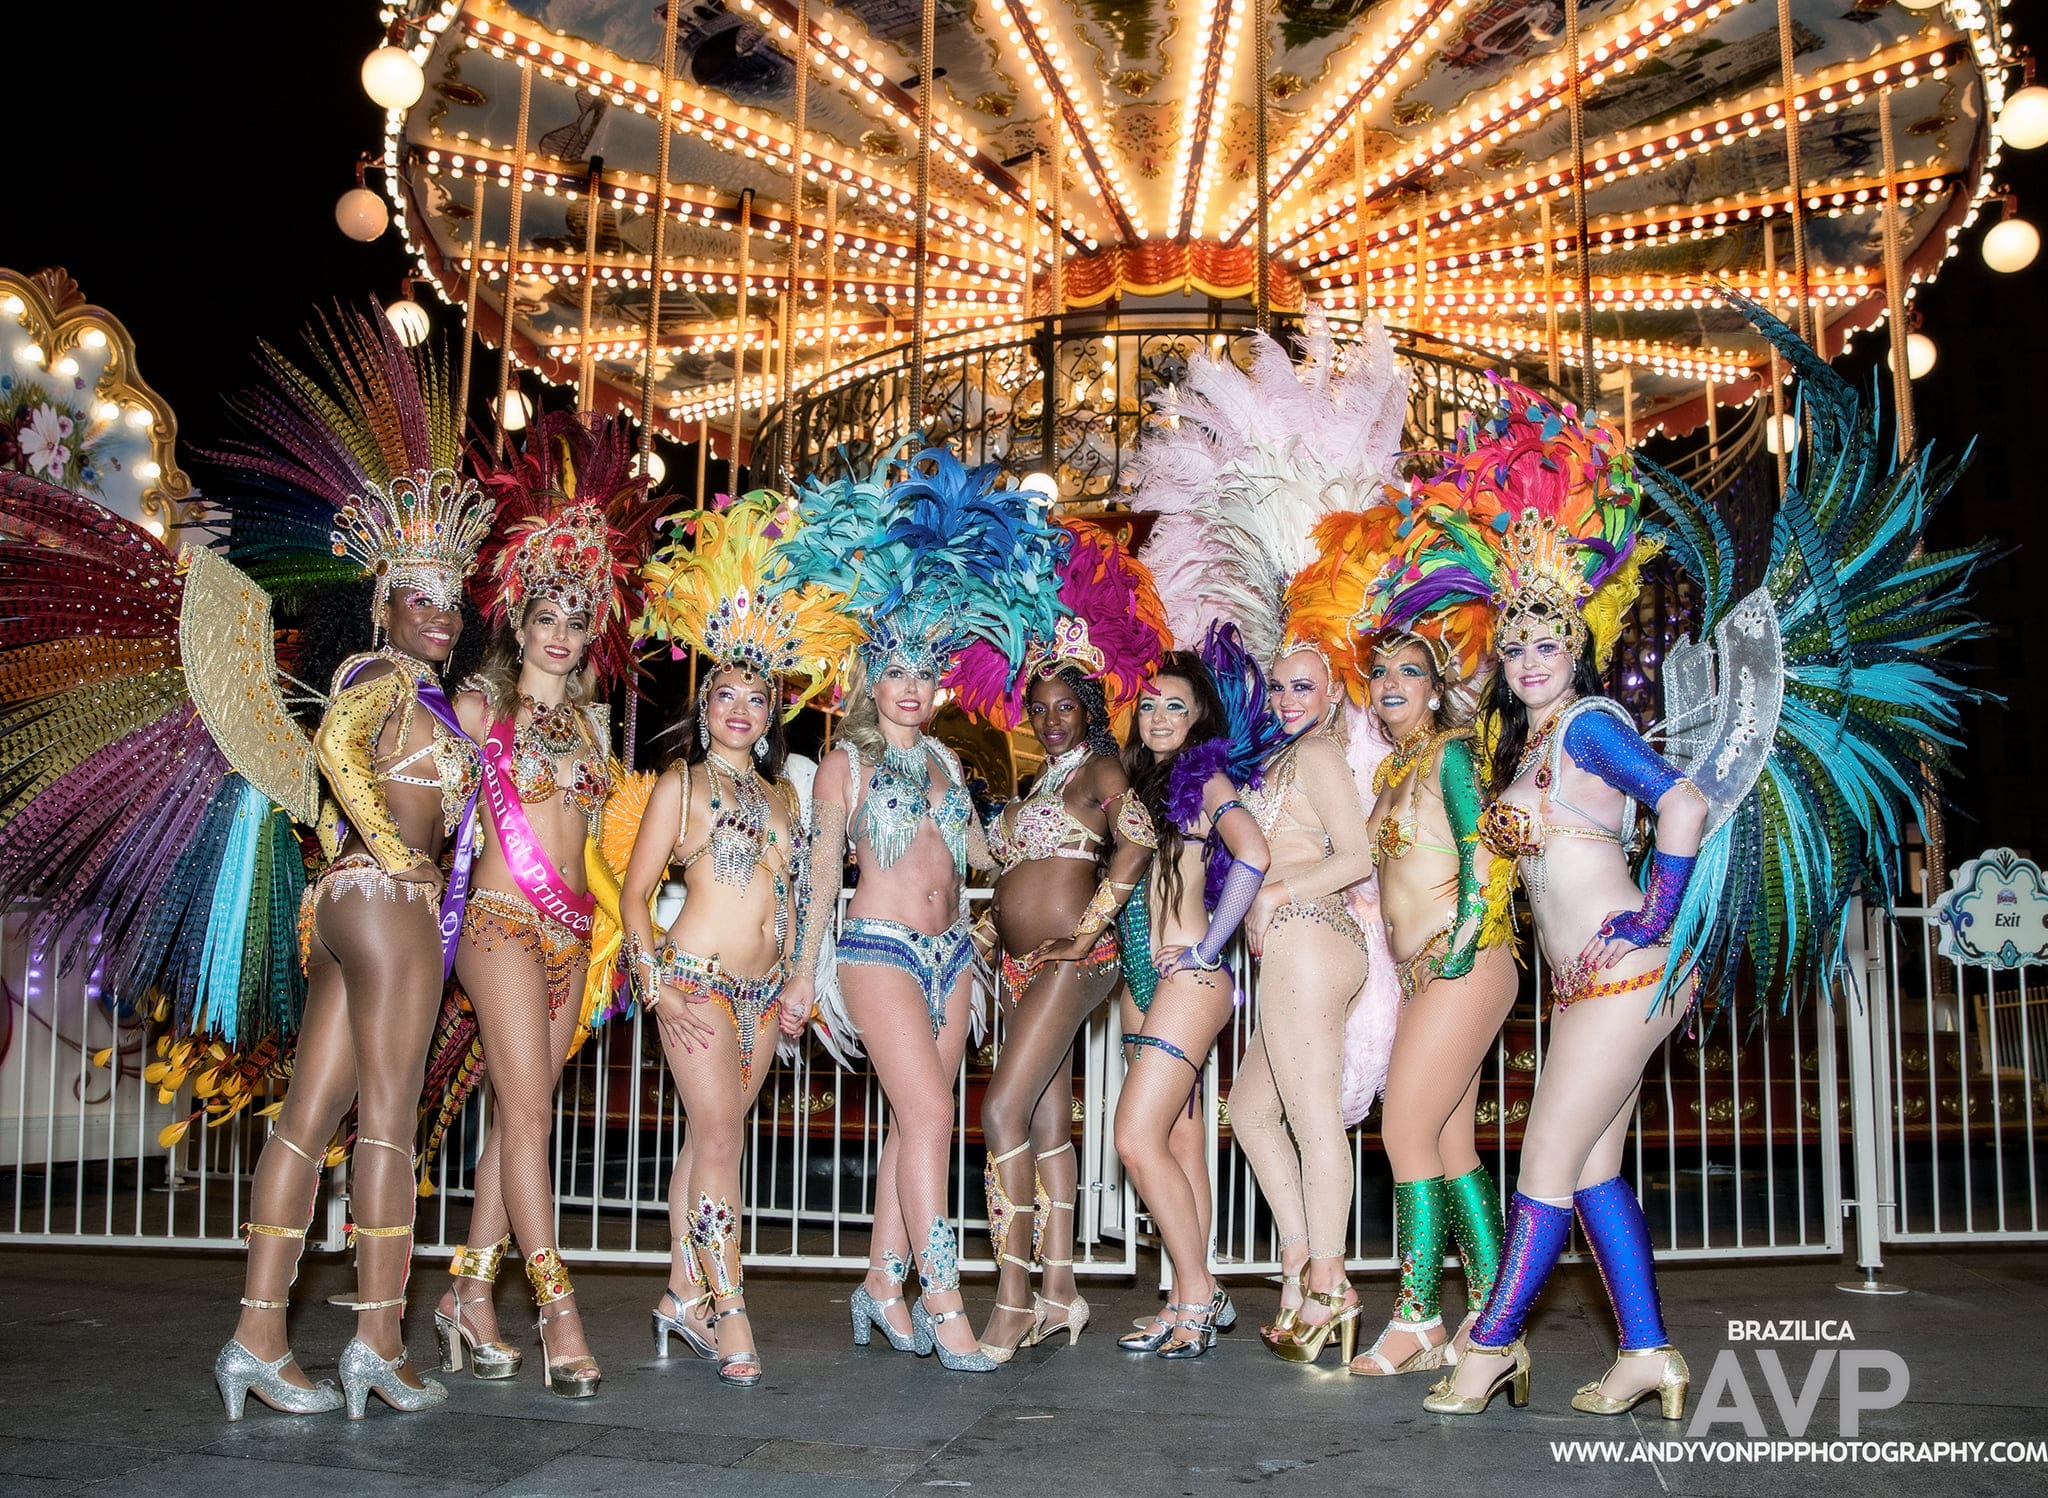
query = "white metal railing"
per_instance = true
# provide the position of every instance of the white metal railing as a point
(1959, 1091)
(1738, 1151)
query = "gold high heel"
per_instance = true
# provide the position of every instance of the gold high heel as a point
(1427, 1356)
(1002, 1212)
(572, 1377)
(1077, 1308)
(488, 1360)
(1443, 1400)
(1285, 1318)
(1671, 1386)
(1304, 1341)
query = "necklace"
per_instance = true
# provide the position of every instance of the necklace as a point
(1535, 752)
(1052, 780)
(550, 733)
(739, 832)
(1415, 748)
(898, 799)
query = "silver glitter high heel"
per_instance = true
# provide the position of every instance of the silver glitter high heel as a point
(239, 1373)
(363, 1373)
(938, 1271)
(867, 1311)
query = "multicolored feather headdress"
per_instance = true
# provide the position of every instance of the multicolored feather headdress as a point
(1535, 512)
(932, 555)
(364, 447)
(1247, 466)
(574, 527)
(1112, 629)
(722, 587)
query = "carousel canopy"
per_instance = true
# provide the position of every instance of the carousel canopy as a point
(1412, 158)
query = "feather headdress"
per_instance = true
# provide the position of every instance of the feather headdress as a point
(932, 555)
(1112, 629)
(352, 467)
(721, 588)
(574, 525)
(1247, 465)
(1535, 512)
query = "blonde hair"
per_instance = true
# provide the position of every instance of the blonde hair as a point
(860, 721)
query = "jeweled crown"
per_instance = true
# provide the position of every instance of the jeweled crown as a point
(422, 531)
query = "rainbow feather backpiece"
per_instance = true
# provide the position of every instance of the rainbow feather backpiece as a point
(1112, 628)
(121, 821)
(1869, 711)
(369, 412)
(1249, 462)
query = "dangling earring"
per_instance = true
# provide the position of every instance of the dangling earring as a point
(1435, 703)
(761, 747)
(703, 732)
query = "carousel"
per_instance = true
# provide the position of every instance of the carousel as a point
(1012, 223)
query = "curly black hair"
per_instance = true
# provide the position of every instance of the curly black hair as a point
(1101, 739)
(332, 624)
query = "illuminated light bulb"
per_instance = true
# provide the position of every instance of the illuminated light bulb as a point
(2023, 123)
(140, 416)
(361, 214)
(149, 470)
(392, 79)
(1920, 355)
(410, 321)
(2011, 246)
(518, 410)
(656, 470)
(1781, 433)
(1041, 483)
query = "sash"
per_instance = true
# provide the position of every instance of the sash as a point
(538, 878)
(455, 895)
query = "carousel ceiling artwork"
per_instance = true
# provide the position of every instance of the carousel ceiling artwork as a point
(1427, 161)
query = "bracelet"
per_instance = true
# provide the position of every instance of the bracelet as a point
(1102, 908)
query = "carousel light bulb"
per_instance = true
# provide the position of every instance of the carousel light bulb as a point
(361, 214)
(1781, 433)
(2011, 245)
(410, 321)
(518, 410)
(392, 79)
(2023, 123)
(656, 470)
(1041, 483)
(1920, 354)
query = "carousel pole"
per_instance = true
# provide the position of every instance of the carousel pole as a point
(586, 375)
(787, 457)
(703, 458)
(1031, 241)
(1777, 364)
(831, 263)
(476, 271)
(1555, 358)
(1059, 233)
(1262, 61)
(1359, 186)
(512, 249)
(927, 30)
(739, 335)
(1895, 278)
(1713, 425)
(665, 127)
(1589, 378)
(1801, 314)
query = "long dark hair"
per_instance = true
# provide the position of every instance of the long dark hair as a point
(1513, 717)
(498, 674)
(695, 747)
(1150, 774)
(333, 624)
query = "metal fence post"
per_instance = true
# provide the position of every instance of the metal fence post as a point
(1869, 986)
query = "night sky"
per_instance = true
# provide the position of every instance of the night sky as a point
(182, 163)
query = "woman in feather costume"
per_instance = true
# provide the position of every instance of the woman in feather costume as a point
(1068, 856)
(371, 442)
(1190, 744)
(930, 562)
(1251, 464)
(1826, 719)
(1445, 900)
(556, 575)
(728, 823)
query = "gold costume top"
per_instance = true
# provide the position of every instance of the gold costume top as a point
(346, 747)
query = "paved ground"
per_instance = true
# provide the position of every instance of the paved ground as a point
(107, 1391)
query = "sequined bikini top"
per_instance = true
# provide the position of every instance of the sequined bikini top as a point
(551, 734)
(1039, 825)
(1511, 829)
(742, 827)
(897, 797)
(458, 765)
